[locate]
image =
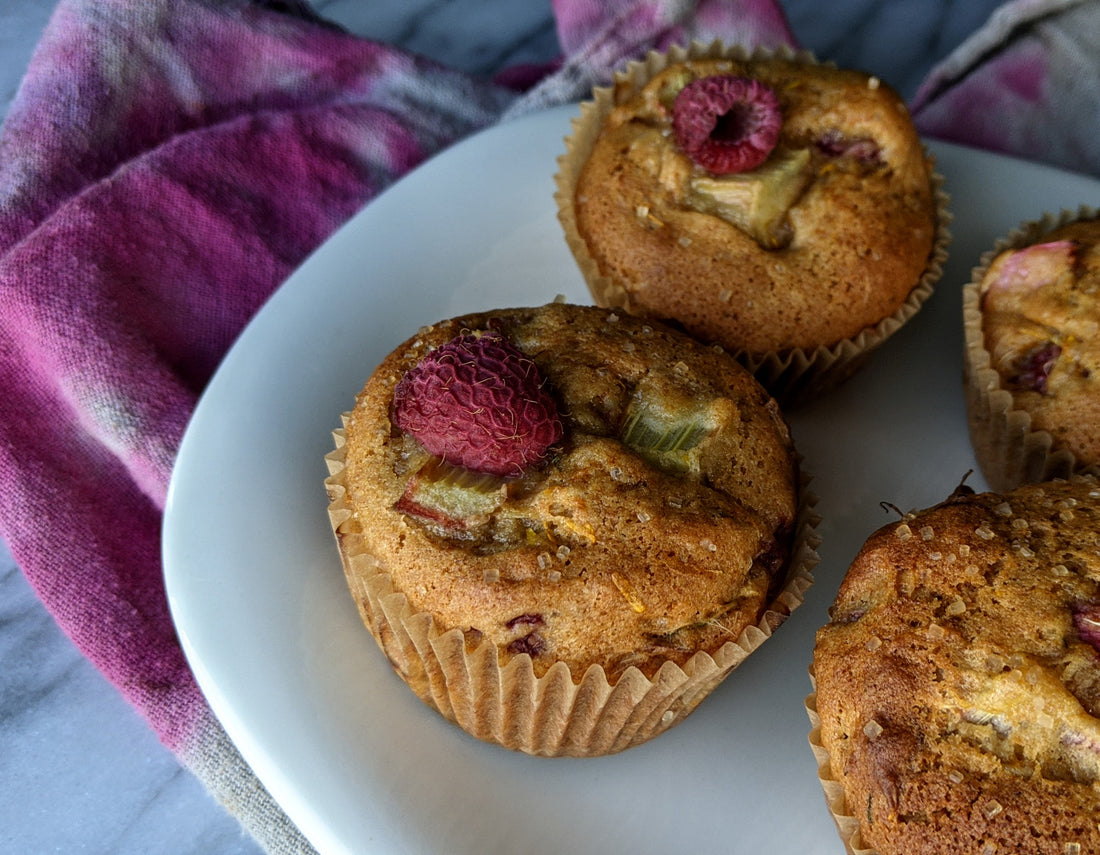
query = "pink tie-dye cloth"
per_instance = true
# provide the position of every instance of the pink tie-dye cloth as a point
(167, 163)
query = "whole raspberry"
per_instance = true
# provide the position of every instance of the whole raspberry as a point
(478, 402)
(726, 123)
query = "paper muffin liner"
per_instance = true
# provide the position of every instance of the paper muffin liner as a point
(791, 376)
(551, 715)
(847, 824)
(1009, 451)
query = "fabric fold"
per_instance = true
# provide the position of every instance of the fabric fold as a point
(1027, 84)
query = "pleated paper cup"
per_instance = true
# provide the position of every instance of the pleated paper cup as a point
(847, 824)
(552, 714)
(794, 375)
(1009, 448)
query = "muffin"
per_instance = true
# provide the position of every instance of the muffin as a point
(563, 526)
(1032, 367)
(957, 703)
(782, 208)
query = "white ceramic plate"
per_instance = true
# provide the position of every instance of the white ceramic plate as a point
(258, 595)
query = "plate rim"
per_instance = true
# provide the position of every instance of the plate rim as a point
(174, 565)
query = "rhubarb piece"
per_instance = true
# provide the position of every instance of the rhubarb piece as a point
(667, 429)
(478, 402)
(674, 83)
(452, 497)
(757, 202)
(726, 124)
(862, 149)
(1032, 267)
(646, 431)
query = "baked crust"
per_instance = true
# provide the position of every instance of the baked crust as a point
(958, 680)
(599, 555)
(861, 231)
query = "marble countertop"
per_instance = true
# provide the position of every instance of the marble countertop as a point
(80, 772)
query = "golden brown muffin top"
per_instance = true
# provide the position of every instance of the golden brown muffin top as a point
(823, 240)
(1041, 324)
(958, 680)
(656, 527)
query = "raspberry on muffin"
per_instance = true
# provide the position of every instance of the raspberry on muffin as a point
(478, 402)
(726, 123)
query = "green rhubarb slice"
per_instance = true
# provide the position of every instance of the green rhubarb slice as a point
(757, 201)
(673, 82)
(451, 496)
(668, 429)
